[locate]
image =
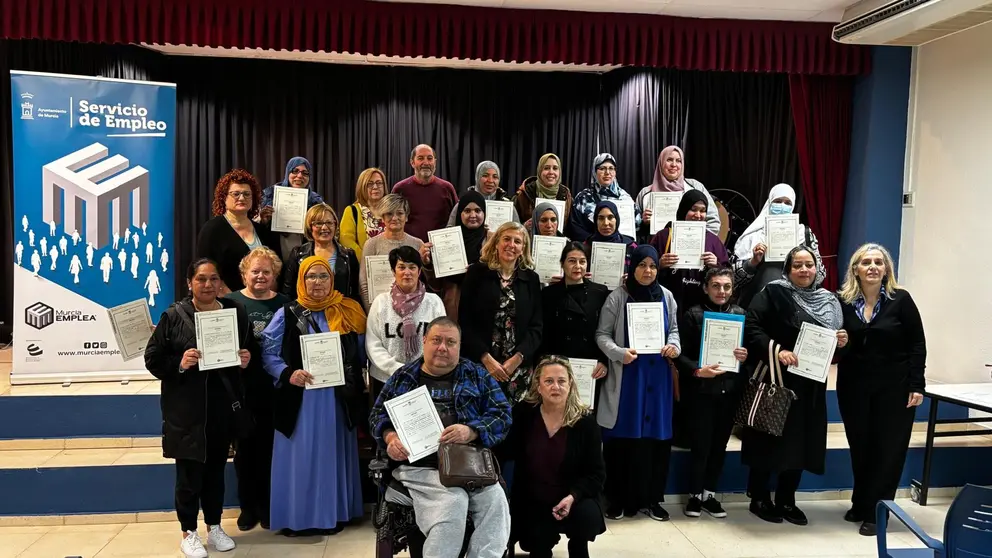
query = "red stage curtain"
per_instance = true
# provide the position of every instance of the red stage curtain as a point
(399, 29)
(821, 111)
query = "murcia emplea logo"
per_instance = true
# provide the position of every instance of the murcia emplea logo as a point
(39, 315)
(27, 107)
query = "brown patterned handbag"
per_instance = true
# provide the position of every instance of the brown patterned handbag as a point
(765, 406)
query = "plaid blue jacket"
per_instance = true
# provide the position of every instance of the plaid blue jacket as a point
(479, 401)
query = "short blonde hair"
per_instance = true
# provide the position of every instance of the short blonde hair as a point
(488, 254)
(313, 213)
(851, 289)
(390, 203)
(361, 187)
(261, 252)
(575, 409)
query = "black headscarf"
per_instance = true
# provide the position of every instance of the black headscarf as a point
(474, 238)
(637, 291)
(616, 236)
(689, 199)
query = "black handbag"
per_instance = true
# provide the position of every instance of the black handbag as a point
(765, 406)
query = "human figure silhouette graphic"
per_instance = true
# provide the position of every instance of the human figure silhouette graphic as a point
(106, 266)
(153, 286)
(54, 254)
(134, 264)
(19, 251)
(36, 262)
(75, 266)
(164, 260)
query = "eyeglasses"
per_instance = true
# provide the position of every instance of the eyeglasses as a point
(322, 224)
(607, 169)
(240, 195)
(319, 278)
(305, 173)
(375, 184)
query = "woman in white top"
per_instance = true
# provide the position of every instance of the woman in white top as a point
(397, 320)
(669, 176)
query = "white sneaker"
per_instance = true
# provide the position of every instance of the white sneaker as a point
(217, 538)
(192, 547)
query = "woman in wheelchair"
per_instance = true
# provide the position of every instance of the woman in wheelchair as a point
(559, 472)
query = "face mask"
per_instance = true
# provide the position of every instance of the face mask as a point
(780, 209)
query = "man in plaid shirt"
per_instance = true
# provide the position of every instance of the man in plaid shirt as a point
(472, 407)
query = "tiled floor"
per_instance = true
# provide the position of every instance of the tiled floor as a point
(740, 535)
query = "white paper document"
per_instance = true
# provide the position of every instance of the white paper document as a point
(582, 369)
(289, 209)
(646, 324)
(664, 206)
(132, 325)
(814, 350)
(217, 338)
(559, 205)
(497, 213)
(628, 221)
(722, 333)
(608, 259)
(448, 251)
(322, 359)
(547, 256)
(780, 236)
(689, 243)
(378, 275)
(416, 421)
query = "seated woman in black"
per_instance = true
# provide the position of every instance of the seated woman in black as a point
(559, 469)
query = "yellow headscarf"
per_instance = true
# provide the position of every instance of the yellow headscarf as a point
(343, 314)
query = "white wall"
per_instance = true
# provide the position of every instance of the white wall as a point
(946, 251)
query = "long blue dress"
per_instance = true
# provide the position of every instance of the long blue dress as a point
(316, 482)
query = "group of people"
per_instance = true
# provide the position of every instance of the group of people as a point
(493, 346)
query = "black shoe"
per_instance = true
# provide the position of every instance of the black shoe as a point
(247, 521)
(765, 510)
(868, 529)
(713, 507)
(793, 515)
(694, 507)
(615, 513)
(658, 513)
(631, 512)
(852, 516)
(265, 524)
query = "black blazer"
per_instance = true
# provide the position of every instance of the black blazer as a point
(691, 338)
(477, 312)
(219, 242)
(345, 270)
(571, 315)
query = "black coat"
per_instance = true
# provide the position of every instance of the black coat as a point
(345, 271)
(691, 336)
(477, 312)
(219, 242)
(571, 315)
(194, 402)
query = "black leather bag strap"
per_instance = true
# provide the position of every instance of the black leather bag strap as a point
(235, 397)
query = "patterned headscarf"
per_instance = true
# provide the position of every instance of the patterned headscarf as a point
(343, 314)
(598, 162)
(821, 304)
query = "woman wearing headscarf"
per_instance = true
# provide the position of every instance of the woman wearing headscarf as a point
(487, 179)
(362, 220)
(545, 221)
(635, 403)
(604, 187)
(773, 322)
(669, 176)
(298, 175)
(751, 271)
(316, 481)
(686, 285)
(471, 210)
(547, 185)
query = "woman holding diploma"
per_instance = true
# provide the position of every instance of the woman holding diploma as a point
(604, 187)
(487, 178)
(635, 403)
(545, 221)
(751, 271)
(298, 174)
(196, 405)
(362, 219)
(775, 317)
(880, 378)
(500, 312)
(394, 210)
(321, 231)
(471, 210)
(546, 185)
(607, 220)
(669, 176)
(316, 482)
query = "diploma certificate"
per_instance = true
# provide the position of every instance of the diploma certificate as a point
(416, 422)
(448, 251)
(497, 213)
(379, 275)
(217, 338)
(628, 219)
(559, 205)
(646, 324)
(322, 359)
(722, 333)
(289, 209)
(814, 351)
(664, 206)
(582, 369)
(607, 264)
(780, 236)
(689, 243)
(132, 325)
(547, 256)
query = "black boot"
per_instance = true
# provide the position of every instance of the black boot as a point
(578, 549)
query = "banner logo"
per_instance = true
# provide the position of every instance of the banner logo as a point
(34, 350)
(39, 315)
(27, 107)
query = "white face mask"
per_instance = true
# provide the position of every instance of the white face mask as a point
(780, 209)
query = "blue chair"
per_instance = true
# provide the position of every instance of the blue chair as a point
(967, 528)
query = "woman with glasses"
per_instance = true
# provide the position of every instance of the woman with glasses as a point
(321, 226)
(669, 176)
(316, 478)
(604, 187)
(362, 220)
(394, 210)
(231, 234)
(487, 179)
(298, 174)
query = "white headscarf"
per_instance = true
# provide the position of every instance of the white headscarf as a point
(754, 234)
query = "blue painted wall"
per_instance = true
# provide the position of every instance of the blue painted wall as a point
(873, 205)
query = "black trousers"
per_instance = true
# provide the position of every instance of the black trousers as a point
(785, 491)
(710, 419)
(253, 463)
(537, 530)
(878, 427)
(636, 472)
(201, 485)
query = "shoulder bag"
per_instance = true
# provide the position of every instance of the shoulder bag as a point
(765, 406)
(466, 466)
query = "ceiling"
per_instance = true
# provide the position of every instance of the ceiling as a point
(787, 10)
